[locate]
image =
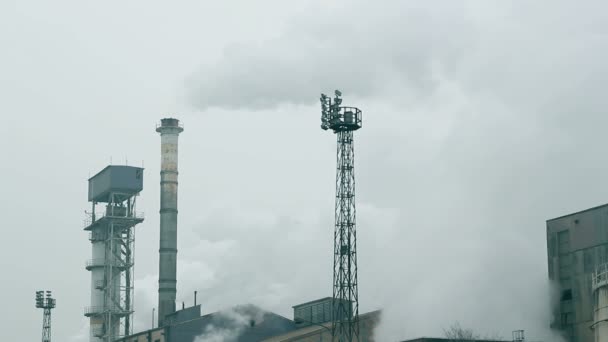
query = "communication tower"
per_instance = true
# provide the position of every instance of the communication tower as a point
(45, 302)
(111, 221)
(343, 121)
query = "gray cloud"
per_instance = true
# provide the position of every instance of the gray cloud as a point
(481, 120)
(357, 46)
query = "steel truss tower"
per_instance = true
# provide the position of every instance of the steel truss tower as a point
(112, 236)
(345, 306)
(45, 302)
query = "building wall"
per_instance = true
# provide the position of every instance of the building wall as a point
(367, 323)
(576, 245)
(156, 335)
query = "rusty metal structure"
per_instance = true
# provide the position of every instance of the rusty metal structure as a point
(343, 121)
(169, 130)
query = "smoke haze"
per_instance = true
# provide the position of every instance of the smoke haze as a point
(482, 119)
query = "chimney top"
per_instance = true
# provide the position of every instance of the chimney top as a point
(169, 125)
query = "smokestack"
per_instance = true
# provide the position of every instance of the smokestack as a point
(169, 130)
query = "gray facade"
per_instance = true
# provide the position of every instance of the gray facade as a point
(576, 245)
(314, 312)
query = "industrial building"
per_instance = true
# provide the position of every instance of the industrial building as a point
(249, 323)
(577, 250)
(239, 324)
(110, 223)
(433, 339)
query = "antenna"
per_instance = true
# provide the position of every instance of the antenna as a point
(345, 304)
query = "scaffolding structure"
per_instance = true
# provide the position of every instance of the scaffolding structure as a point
(111, 223)
(343, 121)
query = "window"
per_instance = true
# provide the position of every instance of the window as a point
(565, 263)
(588, 260)
(563, 242)
(552, 244)
(566, 295)
(567, 318)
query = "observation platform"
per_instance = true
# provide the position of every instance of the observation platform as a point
(91, 311)
(120, 222)
(343, 119)
(95, 263)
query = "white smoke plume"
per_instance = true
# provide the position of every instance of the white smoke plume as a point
(481, 121)
(230, 325)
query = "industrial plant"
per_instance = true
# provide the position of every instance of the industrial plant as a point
(577, 250)
(111, 225)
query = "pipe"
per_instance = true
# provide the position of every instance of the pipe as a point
(195, 298)
(169, 130)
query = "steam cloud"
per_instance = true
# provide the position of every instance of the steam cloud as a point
(482, 119)
(233, 324)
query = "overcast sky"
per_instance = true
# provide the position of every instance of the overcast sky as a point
(482, 119)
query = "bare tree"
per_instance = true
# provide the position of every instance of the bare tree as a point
(456, 333)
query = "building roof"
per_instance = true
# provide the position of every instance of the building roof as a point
(312, 330)
(243, 323)
(579, 212)
(435, 339)
(312, 302)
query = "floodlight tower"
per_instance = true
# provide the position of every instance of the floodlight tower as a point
(45, 302)
(345, 305)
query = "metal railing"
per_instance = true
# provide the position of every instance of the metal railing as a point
(102, 214)
(98, 310)
(599, 278)
(91, 263)
(93, 310)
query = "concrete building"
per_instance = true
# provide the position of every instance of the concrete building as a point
(577, 244)
(249, 323)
